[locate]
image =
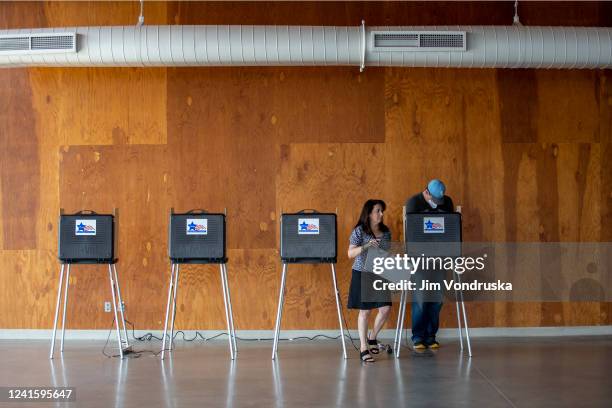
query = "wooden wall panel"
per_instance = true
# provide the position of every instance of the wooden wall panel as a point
(326, 177)
(19, 171)
(605, 126)
(435, 128)
(1, 223)
(389, 13)
(579, 169)
(423, 142)
(578, 165)
(94, 13)
(524, 152)
(518, 105)
(519, 176)
(222, 156)
(336, 105)
(19, 157)
(89, 106)
(15, 14)
(48, 131)
(254, 284)
(28, 288)
(58, 101)
(575, 115)
(132, 179)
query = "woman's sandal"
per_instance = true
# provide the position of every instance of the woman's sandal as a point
(373, 350)
(366, 357)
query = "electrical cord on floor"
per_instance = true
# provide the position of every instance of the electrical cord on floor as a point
(150, 337)
(127, 352)
(107, 338)
(389, 348)
(133, 354)
(348, 332)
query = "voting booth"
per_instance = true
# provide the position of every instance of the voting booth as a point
(434, 234)
(88, 238)
(197, 237)
(307, 237)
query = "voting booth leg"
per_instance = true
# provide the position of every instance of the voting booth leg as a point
(279, 312)
(227, 311)
(402, 317)
(67, 283)
(121, 306)
(460, 306)
(338, 306)
(465, 322)
(397, 343)
(402, 306)
(173, 313)
(57, 306)
(397, 325)
(467, 331)
(396, 339)
(459, 332)
(120, 343)
(231, 312)
(165, 333)
(116, 295)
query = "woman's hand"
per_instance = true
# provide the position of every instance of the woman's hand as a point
(355, 250)
(372, 243)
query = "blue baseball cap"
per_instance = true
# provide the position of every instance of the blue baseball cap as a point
(436, 188)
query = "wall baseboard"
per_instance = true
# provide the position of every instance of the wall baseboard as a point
(478, 332)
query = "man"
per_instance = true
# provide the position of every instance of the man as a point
(426, 315)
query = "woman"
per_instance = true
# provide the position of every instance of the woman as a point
(369, 232)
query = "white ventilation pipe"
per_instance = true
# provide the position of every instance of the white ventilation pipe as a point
(182, 45)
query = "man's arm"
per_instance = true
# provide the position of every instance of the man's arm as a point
(451, 205)
(411, 205)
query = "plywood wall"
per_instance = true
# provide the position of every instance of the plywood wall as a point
(526, 153)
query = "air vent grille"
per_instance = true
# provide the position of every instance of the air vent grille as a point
(37, 43)
(441, 40)
(395, 40)
(14, 43)
(418, 41)
(60, 42)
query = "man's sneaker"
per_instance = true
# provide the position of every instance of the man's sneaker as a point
(434, 345)
(419, 346)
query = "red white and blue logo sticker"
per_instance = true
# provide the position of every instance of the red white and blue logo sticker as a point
(433, 225)
(85, 227)
(197, 226)
(308, 226)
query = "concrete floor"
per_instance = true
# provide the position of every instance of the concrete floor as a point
(536, 372)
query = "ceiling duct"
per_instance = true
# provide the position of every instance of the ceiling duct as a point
(227, 45)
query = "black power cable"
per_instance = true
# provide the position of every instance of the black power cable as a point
(150, 337)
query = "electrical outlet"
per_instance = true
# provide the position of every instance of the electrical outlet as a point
(107, 307)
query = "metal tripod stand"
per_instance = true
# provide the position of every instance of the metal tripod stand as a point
(229, 316)
(122, 340)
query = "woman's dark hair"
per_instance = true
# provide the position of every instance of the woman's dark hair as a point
(364, 218)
